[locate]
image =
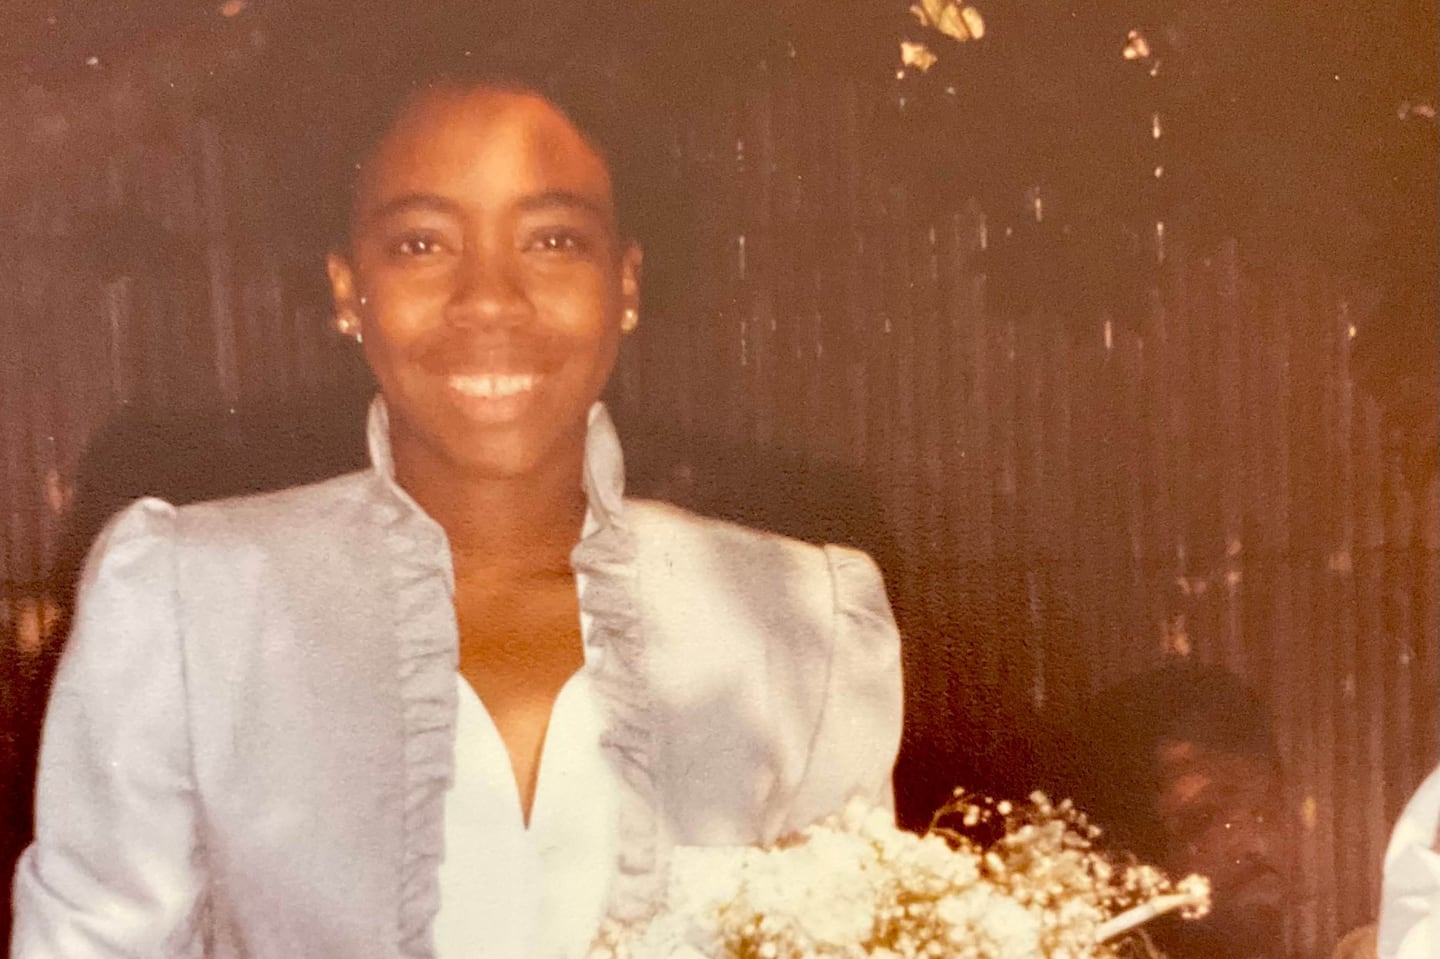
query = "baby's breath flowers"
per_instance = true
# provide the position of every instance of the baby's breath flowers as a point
(989, 880)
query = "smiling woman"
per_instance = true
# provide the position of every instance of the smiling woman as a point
(486, 266)
(467, 701)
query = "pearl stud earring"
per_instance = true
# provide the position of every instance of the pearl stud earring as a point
(348, 324)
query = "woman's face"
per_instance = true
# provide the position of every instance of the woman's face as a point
(489, 279)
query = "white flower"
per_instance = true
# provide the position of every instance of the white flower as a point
(856, 887)
(916, 55)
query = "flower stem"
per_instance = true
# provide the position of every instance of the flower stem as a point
(1159, 906)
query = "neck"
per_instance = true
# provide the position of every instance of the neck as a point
(522, 525)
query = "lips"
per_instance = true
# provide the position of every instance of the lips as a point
(487, 386)
(494, 397)
(1257, 885)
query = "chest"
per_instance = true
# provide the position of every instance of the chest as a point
(518, 640)
(519, 644)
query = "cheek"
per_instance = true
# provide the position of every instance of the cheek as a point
(1181, 858)
(398, 312)
(583, 301)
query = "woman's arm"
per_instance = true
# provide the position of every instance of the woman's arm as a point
(114, 867)
(853, 751)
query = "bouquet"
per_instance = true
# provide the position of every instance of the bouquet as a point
(988, 880)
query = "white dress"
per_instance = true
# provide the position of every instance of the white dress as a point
(512, 892)
(508, 892)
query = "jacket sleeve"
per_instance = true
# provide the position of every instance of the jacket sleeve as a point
(114, 868)
(854, 747)
(1410, 891)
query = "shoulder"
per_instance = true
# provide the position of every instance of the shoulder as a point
(280, 515)
(670, 529)
(231, 542)
(707, 563)
(711, 572)
(680, 540)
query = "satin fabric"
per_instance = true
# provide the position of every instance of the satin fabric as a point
(251, 736)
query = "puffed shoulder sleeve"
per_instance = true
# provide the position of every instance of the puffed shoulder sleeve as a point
(113, 869)
(853, 751)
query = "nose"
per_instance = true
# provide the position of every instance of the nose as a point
(489, 290)
(1253, 840)
(1255, 836)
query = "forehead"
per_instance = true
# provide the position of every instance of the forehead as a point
(1190, 773)
(482, 148)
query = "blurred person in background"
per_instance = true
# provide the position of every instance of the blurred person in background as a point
(1181, 769)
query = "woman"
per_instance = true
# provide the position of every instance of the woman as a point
(462, 704)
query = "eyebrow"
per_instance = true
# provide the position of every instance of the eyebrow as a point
(566, 199)
(548, 200)
(412, 201)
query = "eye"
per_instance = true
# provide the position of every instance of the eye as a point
(559, 242)
(417, 244)
(1205, 820)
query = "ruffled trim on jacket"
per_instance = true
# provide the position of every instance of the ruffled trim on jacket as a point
(424, 628)
(428, 657)
(606, 559)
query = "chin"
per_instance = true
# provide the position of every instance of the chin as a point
(497, 461)
(1250, 924)
(1231, 935)
(505, 455)
(524, 442)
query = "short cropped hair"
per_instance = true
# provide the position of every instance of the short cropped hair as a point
(356, 88)
(588, 98)
(1123, 727)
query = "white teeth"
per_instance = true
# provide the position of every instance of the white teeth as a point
(487, 386)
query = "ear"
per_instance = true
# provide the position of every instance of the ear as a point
(631, 263)
(342, 284)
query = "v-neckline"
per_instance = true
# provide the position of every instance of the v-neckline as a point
(497, 755)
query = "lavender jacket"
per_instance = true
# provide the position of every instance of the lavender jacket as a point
(251, 734)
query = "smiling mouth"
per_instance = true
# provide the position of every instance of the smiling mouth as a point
(488, 386)
(1260, 884)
